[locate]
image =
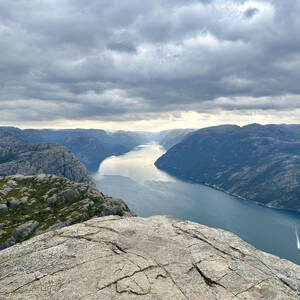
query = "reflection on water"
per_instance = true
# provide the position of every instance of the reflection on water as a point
(149, 191)
(137, 164)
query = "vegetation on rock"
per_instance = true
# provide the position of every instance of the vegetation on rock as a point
(30, 205)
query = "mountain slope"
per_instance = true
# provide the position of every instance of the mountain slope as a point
(31, 205)
(169, 138)
(91, 146)
(259, 163)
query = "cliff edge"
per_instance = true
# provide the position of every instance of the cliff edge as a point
(136, 258)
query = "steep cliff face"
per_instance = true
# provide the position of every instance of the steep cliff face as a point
(18, 156)
(136, 258)
(30, 205)
(259, 163)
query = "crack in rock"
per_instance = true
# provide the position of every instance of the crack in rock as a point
(126, 276)
(56, 272)
(210, 282)
(203, 240)
(250, 287)
(172, 279)
(117, 249)
(238, 250)
(279, 278)
(140, 291)
(25, 284)
(102, 227)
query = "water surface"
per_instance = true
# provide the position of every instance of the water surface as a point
(149, 191)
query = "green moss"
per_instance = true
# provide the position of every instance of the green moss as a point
(2, 183)
(60, 209)
(8, 233)
(15, 193)
(48, 223)
(120, 213)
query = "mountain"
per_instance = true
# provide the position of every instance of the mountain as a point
(31, 205)
(255, 162)
(91, 146)
(136, 258)
(169, 138)
(19, 156)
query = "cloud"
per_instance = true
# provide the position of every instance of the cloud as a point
(125, 60)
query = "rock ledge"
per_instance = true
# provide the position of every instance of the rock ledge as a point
(137, 258)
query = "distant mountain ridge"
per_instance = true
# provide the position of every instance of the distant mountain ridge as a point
(169, 138)
(19, 156)
(91, 146)
(256, 162)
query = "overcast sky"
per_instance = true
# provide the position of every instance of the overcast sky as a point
(148, 64)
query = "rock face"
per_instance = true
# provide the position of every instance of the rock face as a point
(30, 205)
(136, 258)
(18, 156)
(255, 162)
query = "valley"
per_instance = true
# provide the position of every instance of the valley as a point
(149, 191)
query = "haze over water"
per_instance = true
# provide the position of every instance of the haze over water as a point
(148, 191)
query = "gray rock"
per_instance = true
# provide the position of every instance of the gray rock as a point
(7, 243)
(40, 158)
(18, 177)
(6, 190)
(25, 229)
(13, 202)
(136, 258)
(3, 208)
(52, 199)
(24, 199)
(69, 194)
(11, 182)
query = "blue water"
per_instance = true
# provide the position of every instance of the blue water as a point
(149, 191)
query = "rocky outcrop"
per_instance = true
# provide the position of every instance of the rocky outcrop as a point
(136, 258)
(30, 205)
(39, 158)
(19, 156)
(255, 162)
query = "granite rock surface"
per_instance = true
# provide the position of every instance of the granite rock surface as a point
(137, 258)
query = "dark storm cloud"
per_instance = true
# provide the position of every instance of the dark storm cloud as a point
(250, 12)
(110, 59)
